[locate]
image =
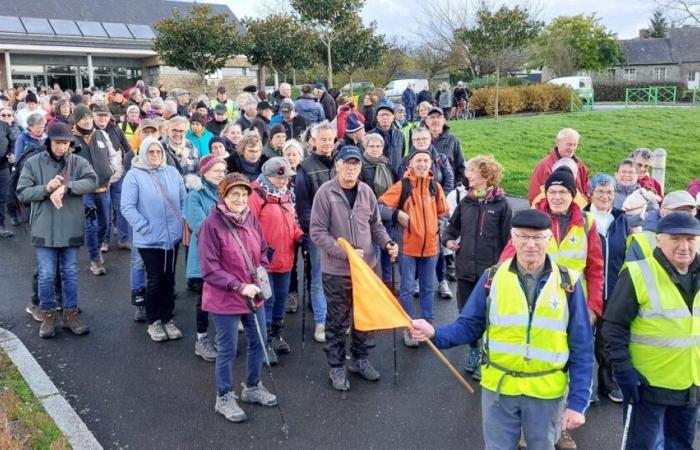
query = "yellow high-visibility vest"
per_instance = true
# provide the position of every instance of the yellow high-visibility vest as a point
(572, 251)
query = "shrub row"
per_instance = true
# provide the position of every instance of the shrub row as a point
(512, 100)
(490, 81)
(614, 91)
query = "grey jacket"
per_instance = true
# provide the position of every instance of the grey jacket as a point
(331, 218)
(53, 227)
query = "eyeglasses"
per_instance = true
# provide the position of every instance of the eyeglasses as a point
(537, 239)
(220, 172)
(5, 115)
(562, 193)
(178, 131)
(603, 193)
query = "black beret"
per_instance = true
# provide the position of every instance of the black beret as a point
(531, 218)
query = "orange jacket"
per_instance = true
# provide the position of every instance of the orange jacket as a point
(421, 237)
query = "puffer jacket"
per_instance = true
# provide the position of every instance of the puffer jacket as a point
(201, 142)
(280, 229)
(308, 108)
(201, 199)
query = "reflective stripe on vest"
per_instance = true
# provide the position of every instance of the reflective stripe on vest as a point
(646, 241)
(526, 353)
(665, 336)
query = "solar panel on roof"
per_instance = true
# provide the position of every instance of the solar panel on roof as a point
(91, 29)
(117, 30)
(141, 31)
(65, 27)
(37, 26)
(10, 24)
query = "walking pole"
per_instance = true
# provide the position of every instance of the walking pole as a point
(253, 309)
(306, 296)
(393, 330)
(625, 432)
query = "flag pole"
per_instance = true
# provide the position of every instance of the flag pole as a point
(393, 331)
(449, 365)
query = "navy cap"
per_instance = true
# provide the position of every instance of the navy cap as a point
(678, 223)
(347, 152)
(386, 106)
(531, 218)
(320, 85)
(220, 108)
(435, 109)
(353, 124)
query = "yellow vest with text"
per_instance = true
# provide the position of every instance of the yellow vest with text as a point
(572, 251)
(665, 335)
(529, 344)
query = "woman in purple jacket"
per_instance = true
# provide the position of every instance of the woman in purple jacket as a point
(228, 283)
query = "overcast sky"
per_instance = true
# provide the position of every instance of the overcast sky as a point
(397, 17)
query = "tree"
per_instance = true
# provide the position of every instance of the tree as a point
(329, 18)
(198, 42)
(358, 48)
(658, 26)
(592, 46)
(279, 42)
(499, 37)
(429, 60)
(681, 11)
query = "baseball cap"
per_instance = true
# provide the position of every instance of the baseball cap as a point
(678, 199)
(349, 152)
(678, 223)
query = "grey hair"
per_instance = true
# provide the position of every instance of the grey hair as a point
(178, 119)
(169, 106)
(229, 126)
(421, 129)
(132, 108)
(293, 143)
(369, 137)
(565, 132)
(325, 125)
(643, 152)
(35, 119)
(157, 103)
(566, 162)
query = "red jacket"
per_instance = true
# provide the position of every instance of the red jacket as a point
(280, 229)
(341, 119)
(650, 183)
(543, 170)
(594, 258)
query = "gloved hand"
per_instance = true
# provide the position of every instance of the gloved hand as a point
(629, 381)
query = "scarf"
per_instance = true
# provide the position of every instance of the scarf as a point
(84, 131)
(270, 189)
(180, 151)
(602, 219)
(382, 175)
(237, 219)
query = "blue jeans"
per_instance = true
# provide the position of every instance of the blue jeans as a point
(115, 193)
(138, 270)
(67, 260)
(385, 260)
(441, 267)
(425, 267)
(96, 229)
(275, 305)
(227, 345)
(410, 113)
(655, 426)
(318, 298)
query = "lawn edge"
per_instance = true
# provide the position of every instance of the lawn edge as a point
(56, 406)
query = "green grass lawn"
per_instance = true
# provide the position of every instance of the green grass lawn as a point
(606, 137)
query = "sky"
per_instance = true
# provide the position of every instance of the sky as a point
(398, 17)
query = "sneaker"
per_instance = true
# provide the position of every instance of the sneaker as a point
(408, 340)
(615, 395)
(14, 221)
(104, 248)
(71, 321)
(257, 394)
(339, 379)
(205, 349)
(320, 332)
(444, 289)
(364, 368)
(48, 324)
(474, 360)
(566, 442)
(476, 376)
(272, 355)
(138, 297)
(156, 331)
(280, 346)
(36, 312)
(97, 268)
(4, 232)
(124, 246)
(172, 331)
(292, 303)
(451, 275)
(140, 314)
(226, 406)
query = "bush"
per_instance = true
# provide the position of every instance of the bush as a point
(614, 91)
(490, 81)
(513, 100)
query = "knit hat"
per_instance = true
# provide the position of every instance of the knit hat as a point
(277, 167)
(415, 151)
(196, 117)
(232, 180)
(277, 128)
(30, 97)
(208, 162)
(353, 124)
(562, 177)
(79, 112)
(201, 104)
(216, 139)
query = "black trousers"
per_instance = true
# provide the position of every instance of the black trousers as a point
(160, 283)
(201, 317)
(338, 291)
(464, 290)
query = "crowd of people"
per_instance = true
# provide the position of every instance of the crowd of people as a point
(594, 290)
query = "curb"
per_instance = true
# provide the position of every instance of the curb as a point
(65, 417)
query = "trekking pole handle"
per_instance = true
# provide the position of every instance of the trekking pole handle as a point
(392, 243)
(250, 301)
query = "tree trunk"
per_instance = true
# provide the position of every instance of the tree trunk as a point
(351, 87)
(277, 80)
(498, 79)
(294, 77)
(330, 66)
(261, 78)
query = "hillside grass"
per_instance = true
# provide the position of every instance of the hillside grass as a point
(606, 138)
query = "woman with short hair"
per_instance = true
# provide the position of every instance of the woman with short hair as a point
(248, 158)
(232, 133)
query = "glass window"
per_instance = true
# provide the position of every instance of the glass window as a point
(232, 71)
(91, 29)
(65, 27)
(630, 74)
(68, 70)
(33, 70)
(37, 26)
(141, 31)
(117, 30)
(11, 25)
(691, 76)
(659, 73)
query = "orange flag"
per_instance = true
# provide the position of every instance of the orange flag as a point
(374, 306)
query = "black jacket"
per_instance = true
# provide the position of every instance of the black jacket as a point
(424, 96)
(449, 145)
(216, 127)
(330, 108)
(235, 163)
(621, 309)
(483, 228)
(296, 129)
(5, 140)
(260, 123)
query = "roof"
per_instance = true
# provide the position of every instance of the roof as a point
(682, 45)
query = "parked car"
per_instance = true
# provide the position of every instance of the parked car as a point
(395, 88)
(575, 83)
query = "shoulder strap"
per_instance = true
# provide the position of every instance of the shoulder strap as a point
(432, 188)
(263, 195)
(167, 200)
(490, 275)
(244, 251)
(405, 191)
(566, 280)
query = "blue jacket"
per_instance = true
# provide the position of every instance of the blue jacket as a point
(201, 143)
(393, 148)
(310, 109)
(200, 200)
(471, 325)
(157, 223)
(23, 142)
(408, 98)
(614, 246)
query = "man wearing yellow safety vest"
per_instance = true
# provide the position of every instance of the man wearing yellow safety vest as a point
(652, 334)
(641, 245)
(537, 341)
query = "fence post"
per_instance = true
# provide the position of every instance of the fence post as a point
(658, 167)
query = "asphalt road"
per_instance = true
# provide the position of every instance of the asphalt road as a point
(135, 393)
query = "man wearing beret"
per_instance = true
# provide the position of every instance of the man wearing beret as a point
(537, 343)
(393, 138)
(653, 339)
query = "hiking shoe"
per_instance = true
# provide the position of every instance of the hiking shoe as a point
(292, 303)
(71, 320)
(364, 368)
(124, 246)
(97, 268)
(615, 395)
(156, 331)
(36, 312)
(172, 331)
(272, 355)
(408, 340)
(14, 221)
(476, 376)
(280, 346)
(140, 314)
(339, 379)
(4, 232)
(320, 332)
(104, 248)
(226, 406)
(474, 360)
(444, 289)
(48, 324)
(205, 349)
(257, 394)
(566, 442)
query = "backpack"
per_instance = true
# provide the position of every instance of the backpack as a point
(565, 280)
(406, 188)
(23, 209)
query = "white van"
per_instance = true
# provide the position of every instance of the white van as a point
(395, 88)
(575, 83)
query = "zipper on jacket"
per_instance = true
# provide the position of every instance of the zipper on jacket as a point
(425, 223)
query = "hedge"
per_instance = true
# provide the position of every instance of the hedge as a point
(513, 100)
(490, 81)
(614, 91)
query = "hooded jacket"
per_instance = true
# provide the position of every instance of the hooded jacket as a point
(201, 199)
(97, 148)
(441, 168)
(308, 108)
